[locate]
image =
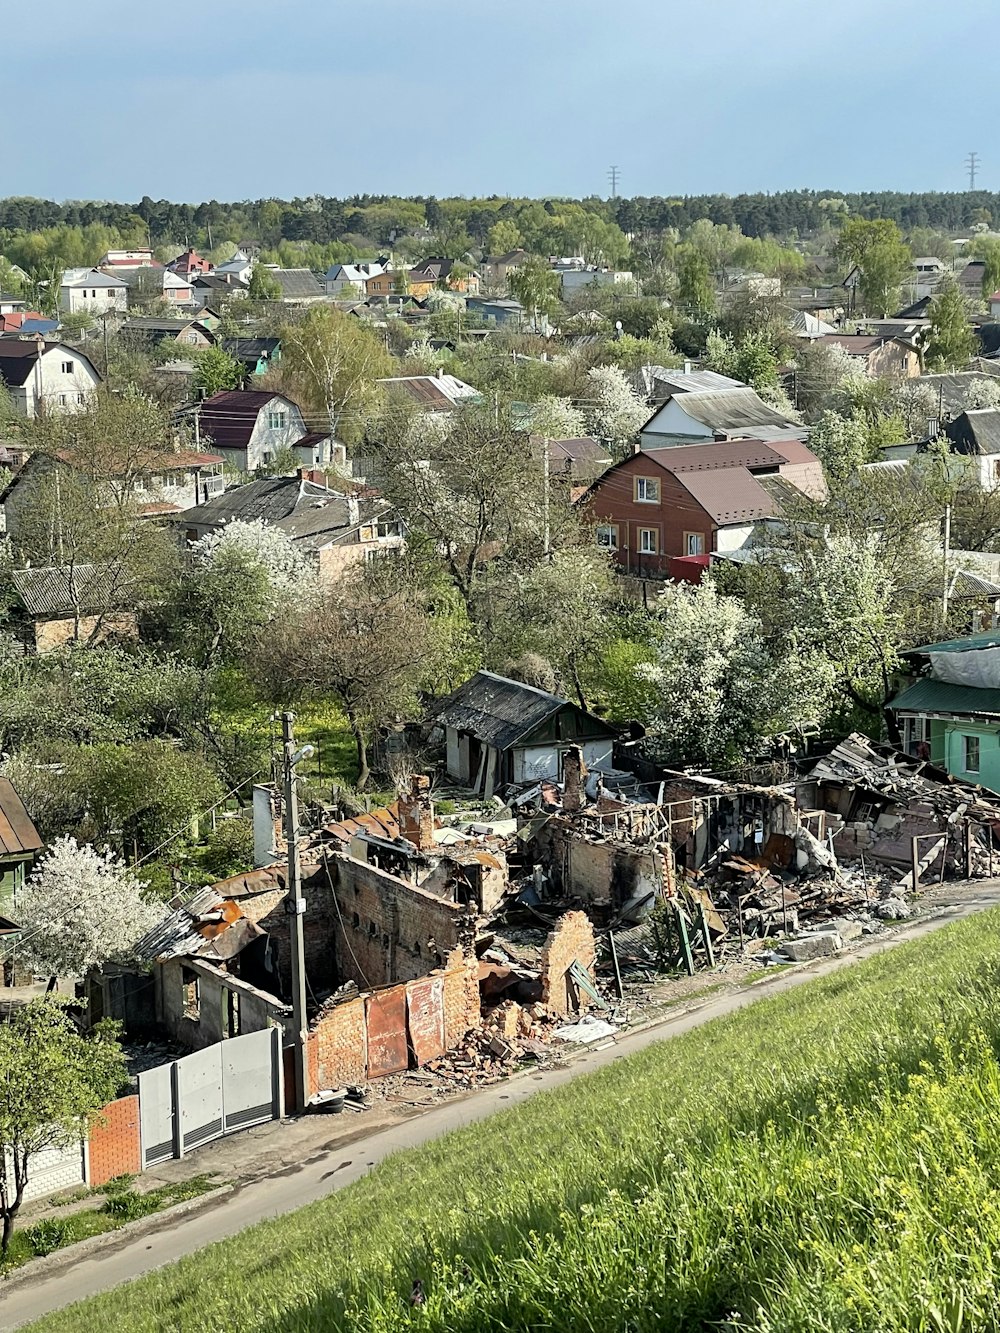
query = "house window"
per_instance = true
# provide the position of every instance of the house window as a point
(266, 456)
(970, 748)
(607, 536)
(647, 541)
(62, 400)
(647, 490)
(694, 543)
(276, 420)
(79, 397)
(191, 986)
(67, 367)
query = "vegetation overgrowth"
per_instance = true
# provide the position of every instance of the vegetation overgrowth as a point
(827, 1159)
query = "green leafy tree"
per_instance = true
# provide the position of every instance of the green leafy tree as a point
(695, 284)
(536, 286)
(882, 257)
(504, 237)
(53, 1083)
(840, 443)
(951, 341)
(215, 370)
(331, 361)
(987, 248)
(263, 286)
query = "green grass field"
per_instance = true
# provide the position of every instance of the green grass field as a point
(828, 1159)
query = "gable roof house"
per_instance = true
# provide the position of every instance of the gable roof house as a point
(879, 354)
(250, 427)
(695, 418)
(348, 280)
(498, 268)
(190, 264)
(238, 268)
(335, 531)
(82, 603)
(90, 290)
(970, 281)
(976, 435)
(572, 460)
(664, 504)
(20, 843)
(431, 272)
(499, 731)
(299, 286)
(210, 289)
(187, 332)
(43, 376)
(255, 355)
(432, 393)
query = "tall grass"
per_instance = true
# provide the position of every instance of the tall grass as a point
(828, 1159)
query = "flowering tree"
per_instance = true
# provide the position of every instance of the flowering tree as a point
(617, 411)
(557, 419)
(82, 908)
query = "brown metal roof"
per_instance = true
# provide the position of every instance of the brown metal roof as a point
(18, 835)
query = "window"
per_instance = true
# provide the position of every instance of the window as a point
(266, 456)
(647, 490)
(970, 747)
(67, 367)
(607, 536)
(80, 397)
(276, 420)
(62, 400)
(694, 543)
(647, 541)
(191, 986)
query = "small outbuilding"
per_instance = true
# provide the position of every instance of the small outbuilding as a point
(499, 730)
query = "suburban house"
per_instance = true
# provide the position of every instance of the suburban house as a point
(333, 530)
(11, 304)
(189, 265)
(20, 843)
(970, 281)
(45, 376)
(950, 713)
(877, 353)
(658, 383)
(250, 427)
(576, 280)
(79, 603)
(348, 280)
(299, 286)
(696, 501)
(166, 483)
(255, 355)
(127, 259)
(499, 731)
(187, 332)
(976, 434)
(237, 269)
(432, 393)
(495, 310)
(89, 291)
(397, 282)
(213, 288)
(695, 418)
(498, 268)
(435, 271)
(573, 460)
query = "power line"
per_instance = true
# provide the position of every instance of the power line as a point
(613, 174)
(972, 165)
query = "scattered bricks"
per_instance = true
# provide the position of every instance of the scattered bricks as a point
(571, 941)
(806, 947)
(500, 1048)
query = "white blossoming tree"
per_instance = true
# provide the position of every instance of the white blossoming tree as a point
(82, 908)
(617, 411)
(557, 419)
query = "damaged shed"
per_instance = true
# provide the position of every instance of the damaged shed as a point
(499, 731)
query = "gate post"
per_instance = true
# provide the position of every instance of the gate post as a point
(175, 1107)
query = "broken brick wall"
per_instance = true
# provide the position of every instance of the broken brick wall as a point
(392, 931)
(572, 940)
(338, 1046)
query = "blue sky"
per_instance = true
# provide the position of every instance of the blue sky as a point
(233, 99)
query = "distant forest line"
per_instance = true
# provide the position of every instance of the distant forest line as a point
(383, 217)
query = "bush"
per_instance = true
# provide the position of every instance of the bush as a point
(127, 1206)
(48, 1235)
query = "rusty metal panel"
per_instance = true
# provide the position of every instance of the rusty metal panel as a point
(385, 1015)
(425, 1009)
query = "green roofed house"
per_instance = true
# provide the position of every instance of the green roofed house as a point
(950, 714)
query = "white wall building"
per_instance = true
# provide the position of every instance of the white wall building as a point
(90, 290)
(46, 375)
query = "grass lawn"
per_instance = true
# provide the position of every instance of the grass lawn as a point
(828, 1159)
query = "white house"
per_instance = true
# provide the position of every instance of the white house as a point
(694, 418)
(45, 375)
(90, 290)
(249, 428)
(576, 279)
(239, 267)
(344, 280)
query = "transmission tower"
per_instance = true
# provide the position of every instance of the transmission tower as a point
(972, 165)
(613, 173)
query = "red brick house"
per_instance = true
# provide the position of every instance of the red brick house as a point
(696, 499)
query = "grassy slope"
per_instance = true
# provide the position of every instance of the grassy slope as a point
(828, 1159)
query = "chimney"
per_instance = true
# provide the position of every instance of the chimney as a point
(440, 372)
(416, 813)
(574, 778)
(688, 367)
(353, 510)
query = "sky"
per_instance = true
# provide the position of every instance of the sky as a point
(246, 99)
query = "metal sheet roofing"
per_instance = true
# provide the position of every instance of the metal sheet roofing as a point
(498, 711)
(725, 410)
(49, 591)
(970, 643)
(938, 696)
(18, 835)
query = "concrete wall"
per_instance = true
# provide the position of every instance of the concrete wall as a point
(257, 1009)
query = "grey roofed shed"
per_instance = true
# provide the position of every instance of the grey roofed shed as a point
(976, 432)
(500, 730)
(48, 591)
(723, 410)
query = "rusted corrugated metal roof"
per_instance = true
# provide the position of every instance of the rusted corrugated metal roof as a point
(18, 835)
(384, 823)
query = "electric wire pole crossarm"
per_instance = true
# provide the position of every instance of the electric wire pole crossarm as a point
(295, 904)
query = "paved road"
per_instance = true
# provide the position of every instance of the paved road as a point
(122, 1258)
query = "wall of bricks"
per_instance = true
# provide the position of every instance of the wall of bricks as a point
(461, 999)
(340, 1041)
(571, 940)
(115, 1148)
(393, 931)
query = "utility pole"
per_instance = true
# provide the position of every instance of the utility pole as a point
(613, 174)
(972, 166)
(546, 442)
(944, 570)
(295, 907)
